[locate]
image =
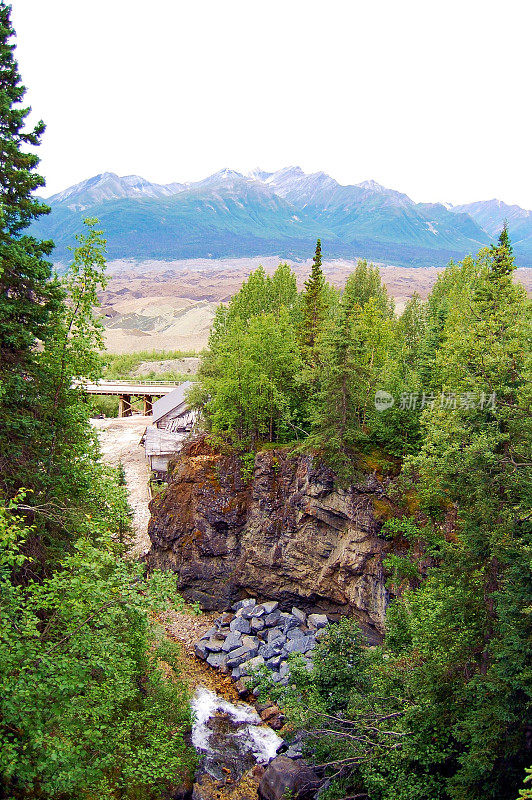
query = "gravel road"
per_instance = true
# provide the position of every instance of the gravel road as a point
(119, 442)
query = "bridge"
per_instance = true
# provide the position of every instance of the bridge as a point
(126, 390)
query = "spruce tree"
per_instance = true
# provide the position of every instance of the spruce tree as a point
(26, 292)
(24, 272)
(503, 260)
(313, 308)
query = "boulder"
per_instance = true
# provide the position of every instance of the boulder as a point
(250, 641)
(300, 615)
(271, 650)
(200, 649)
(294, 633)
(241, 625)
(273, 634)
(286, 778)
(248, 601)
(232, 641)
(224, 620)
(290, 621)
(214, 645)
(257, 624)
(317, 620)
(253, 663)
(273, 618)
(241, 654)
(270, 606)
(302, 645)
(217, 660)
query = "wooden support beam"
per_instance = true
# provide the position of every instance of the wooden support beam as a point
(147, 404)
(124, 405)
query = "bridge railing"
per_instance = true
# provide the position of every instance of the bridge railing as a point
(125, 382)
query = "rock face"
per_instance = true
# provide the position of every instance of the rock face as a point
(287, 534)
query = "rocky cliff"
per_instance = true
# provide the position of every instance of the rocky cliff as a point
(287, 532)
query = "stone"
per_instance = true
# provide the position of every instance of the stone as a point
(214, 645)
(232, 641)
(249, 641)
(294, 751)
(235, 673)
(210, 633)
(248, 601)
(320, 634)
(257, 624)
(241, 625)
(295, 633)
(242, 687)
(259, 611)
(241, 654)
(268, 713)
(284, 669)
(290, 622)
(224, 620)
(273, 618)
(273, 634)
(217, 660)
(253, 663)
(270, 606)
(200, 649)
(302, 645)
(271, 650)
(247, 613)
(285, 778)
(317, 620)
(300, 615)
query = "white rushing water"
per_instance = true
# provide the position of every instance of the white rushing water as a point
(243, 728)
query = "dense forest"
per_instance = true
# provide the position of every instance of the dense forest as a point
(437, 398)
(85, 708)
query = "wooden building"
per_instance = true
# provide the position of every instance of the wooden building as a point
(173, 422)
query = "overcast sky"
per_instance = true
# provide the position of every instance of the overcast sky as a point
(431, 98)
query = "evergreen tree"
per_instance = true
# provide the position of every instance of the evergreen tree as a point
(313, 309)
(24, 272)
(27, 295)
(503, 261)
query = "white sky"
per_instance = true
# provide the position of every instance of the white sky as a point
(428, 97)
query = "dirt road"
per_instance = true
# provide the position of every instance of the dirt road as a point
(119, 441)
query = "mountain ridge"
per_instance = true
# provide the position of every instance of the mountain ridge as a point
(230, 213)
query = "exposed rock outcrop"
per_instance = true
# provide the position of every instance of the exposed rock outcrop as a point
(289, 533)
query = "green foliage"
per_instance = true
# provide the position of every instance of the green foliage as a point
(249, 377)
(124, 365)
(91, 704)
(247, 466)
(441, 710)
(85, 707)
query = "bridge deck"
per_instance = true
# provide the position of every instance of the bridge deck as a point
(137, 388)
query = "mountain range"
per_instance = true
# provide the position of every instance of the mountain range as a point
(280, 213)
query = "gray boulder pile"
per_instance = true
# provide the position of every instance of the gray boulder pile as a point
(255, 634)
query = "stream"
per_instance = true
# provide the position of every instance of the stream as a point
(231, 737)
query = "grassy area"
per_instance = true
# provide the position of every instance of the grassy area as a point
(104, 404)
(123, 365)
